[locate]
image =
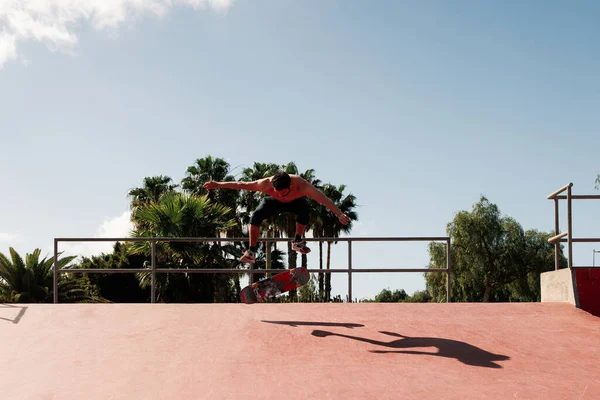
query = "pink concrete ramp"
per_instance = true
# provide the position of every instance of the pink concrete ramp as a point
(298, 351)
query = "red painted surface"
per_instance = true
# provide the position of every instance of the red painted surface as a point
(588, 289)
(298, 351)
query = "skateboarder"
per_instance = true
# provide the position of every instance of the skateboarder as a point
(285, 193)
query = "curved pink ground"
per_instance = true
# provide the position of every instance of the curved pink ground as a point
(298, 351)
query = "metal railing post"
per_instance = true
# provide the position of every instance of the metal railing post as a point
(349, 271)
(153, 260)
(268, 257)
(570, 226)
(55, 271)
(449, 268)
(556, 229)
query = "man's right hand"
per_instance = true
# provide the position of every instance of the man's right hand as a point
(210, 185)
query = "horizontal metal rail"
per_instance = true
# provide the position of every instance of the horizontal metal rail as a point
(580, 197)
(237, 271)
(557, 237)
(559, 191)
(245, 239)
(154, 270)
(579, 240)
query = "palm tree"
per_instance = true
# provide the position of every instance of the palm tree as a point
(150, 192)
(330, 226)
(309, 175)
(153, 188)
(32, 280)
(179, 215)
(209, 169)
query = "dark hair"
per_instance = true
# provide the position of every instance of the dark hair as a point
(281, 180)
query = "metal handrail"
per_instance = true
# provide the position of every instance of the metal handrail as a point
(154, 270)
(559, 191)
(559, 238)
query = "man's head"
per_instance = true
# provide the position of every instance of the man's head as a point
(281, 181)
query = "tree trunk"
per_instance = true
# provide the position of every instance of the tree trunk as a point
(488, 289)
(486, 294)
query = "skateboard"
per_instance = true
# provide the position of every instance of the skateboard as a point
(275, 285)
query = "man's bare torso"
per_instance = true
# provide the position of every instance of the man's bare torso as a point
(297, 189)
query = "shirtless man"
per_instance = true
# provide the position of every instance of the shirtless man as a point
(285, 193)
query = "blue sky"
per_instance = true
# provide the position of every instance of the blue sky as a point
(418, 107)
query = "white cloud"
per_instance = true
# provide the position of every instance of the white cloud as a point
(7, 237)
(118, 227)
(54, 22)
(8, 48)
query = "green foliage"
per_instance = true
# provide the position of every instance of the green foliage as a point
(493, 259)
(326, 224)
(115, 287)
(150, 192)
(32, 280)
(308, 293)
(399, 296)
(387, 296)
(178, 215)
(421, 296)
(213, 169)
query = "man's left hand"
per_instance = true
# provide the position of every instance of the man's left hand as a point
(344, 219)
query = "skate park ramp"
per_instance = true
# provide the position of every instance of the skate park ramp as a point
(298, 351)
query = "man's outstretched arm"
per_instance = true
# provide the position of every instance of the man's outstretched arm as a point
(255, 186)
(318, 196)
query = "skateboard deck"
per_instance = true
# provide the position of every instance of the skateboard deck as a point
(275, 285)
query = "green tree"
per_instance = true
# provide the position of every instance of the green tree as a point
(179, 215)
(493, 259)
(32, 280)
(308, 293)
(597, 182)
(151, 191)
(313, 212)
(213, 169)
(387, 296)
(328, 225)
(420, 296)
(116, 287)
(536, 257)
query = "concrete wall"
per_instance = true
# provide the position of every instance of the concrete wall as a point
(557, 286)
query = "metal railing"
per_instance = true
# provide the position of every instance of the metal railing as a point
(251, 271)
(560, 237)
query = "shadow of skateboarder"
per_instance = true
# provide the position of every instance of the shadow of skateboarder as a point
(461, 351)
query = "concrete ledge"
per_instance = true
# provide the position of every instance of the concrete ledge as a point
(557, 286)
